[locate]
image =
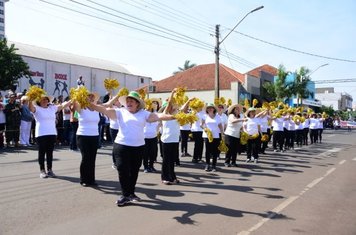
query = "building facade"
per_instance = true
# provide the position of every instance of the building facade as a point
(2, 18)
(57, 72)
(337, 100)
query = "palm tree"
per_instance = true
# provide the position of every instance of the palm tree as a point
(299, 86)
(280, 89)
(187, 65)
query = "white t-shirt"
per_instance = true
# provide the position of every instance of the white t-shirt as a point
(306, 123)
(170, 131)
(131, 127)
(196, 126)
(66, 114)
(223, 118)
(2, 114)
(186, 127)
(277, 124)
(251, 126)
(213, 125)
(45, 120)
(291, 126)
(314, 123)
(233, 129)
(264, 123)
(150, 130)
(88, 123)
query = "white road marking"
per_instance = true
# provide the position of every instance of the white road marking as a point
(342, 162)
(354, 159)
(284, 204)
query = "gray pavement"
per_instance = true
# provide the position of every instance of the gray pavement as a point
(310, 190)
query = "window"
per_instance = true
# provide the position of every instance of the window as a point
(2, 28)
(1, 12)
(1, 20)
(142, 80)
(1, 4)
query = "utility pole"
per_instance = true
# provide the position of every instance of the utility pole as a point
(217, 54)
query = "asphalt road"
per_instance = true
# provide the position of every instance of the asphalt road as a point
(310, 190)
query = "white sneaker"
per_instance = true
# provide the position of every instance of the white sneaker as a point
(43, 175)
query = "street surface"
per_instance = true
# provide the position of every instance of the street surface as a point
(311, 190)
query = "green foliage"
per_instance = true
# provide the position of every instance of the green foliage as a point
(12, 66)
(187, 65)
(299, 86)
(328, 110)
(280, 89)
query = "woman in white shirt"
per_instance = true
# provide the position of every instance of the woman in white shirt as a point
(197, 133)
(313, 128)
(88, 140)
(129, 145)
(253, 128)
(320, 126)
(232, 134)
(46, 132)
(212, 121)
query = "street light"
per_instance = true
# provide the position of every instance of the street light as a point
(323, 65)
(217, 50)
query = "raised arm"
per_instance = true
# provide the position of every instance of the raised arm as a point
(110, 112)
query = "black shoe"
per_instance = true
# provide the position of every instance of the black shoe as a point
(234, 165)
(134, 198)
(122, 201)
(195, 161)
(207, 168)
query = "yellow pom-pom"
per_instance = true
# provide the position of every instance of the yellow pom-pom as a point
(123, 92)
(247, 103)
(222, 147)
(229, 102)
(222, 101)
(255, 136)
(142, 93)
(148, 103)
(243, 138)
(81, 95)
(185, 118)
(196, 105)
(209, 134)
(179, 96)
(35, 93)
(265, 138)
(265, 105)
(216, 101)
(111, 84)
(254, 103)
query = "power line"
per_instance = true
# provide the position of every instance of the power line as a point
(294, 50)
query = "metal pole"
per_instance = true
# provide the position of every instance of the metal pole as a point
(217, 71)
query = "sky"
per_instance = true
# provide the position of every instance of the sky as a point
(154, 37)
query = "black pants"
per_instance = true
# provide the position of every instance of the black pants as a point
(73, 135)
(198, 145)
(290, 138)
(12, 133)
(66, 131)
(113, 134)
(233, 143)
(313, 135)
(88, 146)
(2, 129)
(320, 134)
(299, 137)
(128, 162)
(278, 138)
(170, 154)
(264, 144)
(253, 147)
(184, 135)
(45, 149)
(151, 150)
(211, 151)
(305, 136)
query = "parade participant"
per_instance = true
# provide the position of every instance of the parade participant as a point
(87, 140)
(13, 120)
(320, 126)
(290, 132)
(197, 133)
(26, 122)
(266, 129)
(313, 128)
(73, 128)
(232, 134)
(129, 144)
(253, 128)
(278, 133)
(45, 116)
(151, 140)
(2, 122)
(184, 137)
(170, 141)
(66, 123)
(212, 121)
(306, 124)
(299, 132)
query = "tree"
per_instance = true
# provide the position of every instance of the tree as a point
(12, 66)
(280, 89)
(299, 86)
(187, 65)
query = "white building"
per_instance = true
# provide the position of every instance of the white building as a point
(57, 72)
(2, 18)
(337, 100)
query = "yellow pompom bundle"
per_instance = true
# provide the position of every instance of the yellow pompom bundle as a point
(196, 105)
(229, 102)
(243, 138)
(142, 93)
(148, 103)
(246, 103)
(179, 96)
(216, 101)
(255, 136)
(265, 138)
(185, 118)
(222, 147)
(111, 84)
(254, 103)
(266, 105)
(296, 118)
(209, 134)
(35, 93)
(123, 92)
(80, 95)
